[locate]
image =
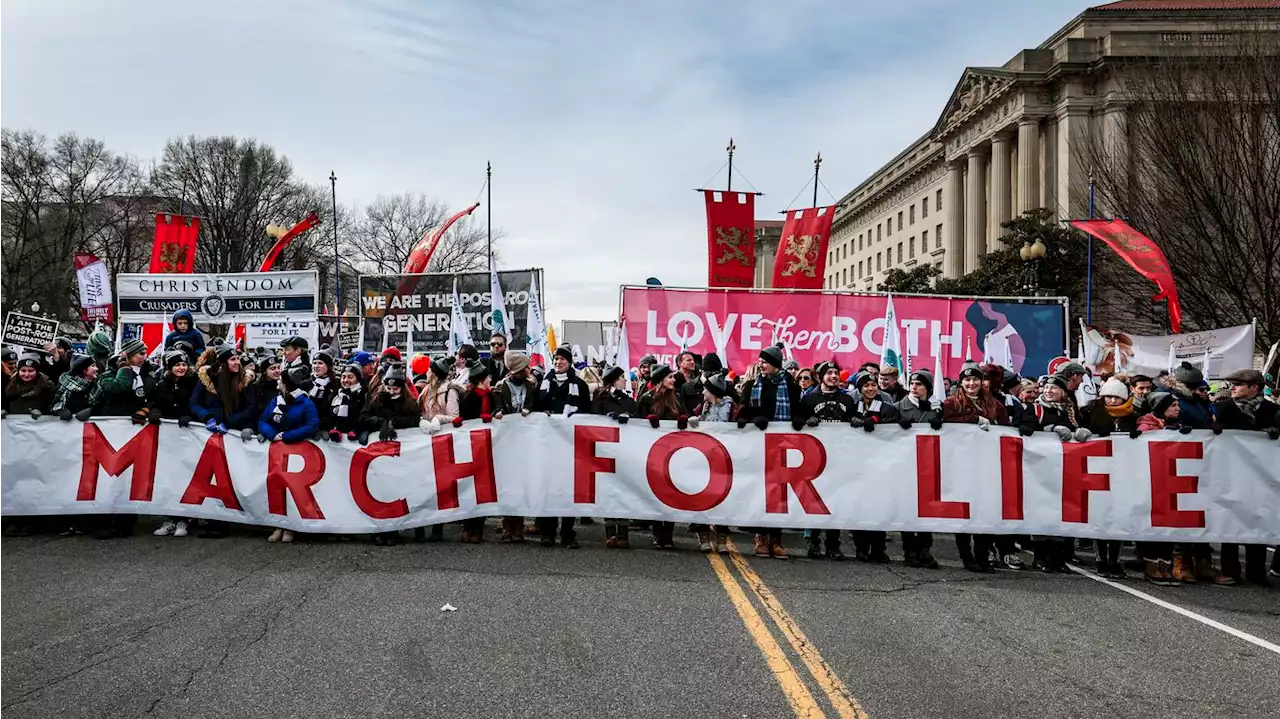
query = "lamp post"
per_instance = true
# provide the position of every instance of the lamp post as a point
(1031, 253)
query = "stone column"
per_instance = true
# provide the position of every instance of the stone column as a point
(1028, 167)
(1073, 177)
(975, 210)
(1000, 182)
(953, 229)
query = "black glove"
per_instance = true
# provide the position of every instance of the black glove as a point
(4, 414)
(184, 420)
(653, 421)
(1184, 429)
(388, 432)
(813, 422)
(84, 414)
(335, 435)
(682, 422)
(856, 421)
(742, 423)
(612, 415)
(797, 424)
(935, 424)
(139, 418)
(1273, 432)
(623, 418)
(246, 434)
(1026, 430)
(1103, 433)
(65, 415)
(363, 437)
(904, 423)
(869, 425)
(36, 414)
(1217, 428)
(761, 423)
(153, 418)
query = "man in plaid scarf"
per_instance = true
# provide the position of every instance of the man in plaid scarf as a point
(773, 397)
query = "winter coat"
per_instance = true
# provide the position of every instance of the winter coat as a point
(321, 394)
(767, 404)
(345, 409)
(170, 398)
(75, 394)
(442, 404)
(298, 422)
(1042, 417)
(506, 397)
(650, 406)
(1196, 413)
(22, 397)
(956, 409)
(1230, 415)
(402, 412)
(54, 369)
(897, 394)
(119, 398)
(1149, 423)
(917, 411)
(192, 336)
(835, 406)
(614, 401)
(259, 393)
(554, 397)
(1012, 407)
(207, 405)
(472, 404)
(691, 394)
(721, 410)
(882, 409)
(1098, 421)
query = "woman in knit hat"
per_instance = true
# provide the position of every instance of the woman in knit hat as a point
(290, 417)
(439, 398)
(516, 394)
(77, 390)
(347, 404)
(324, 385)
(1111, 412)
(29, 391)
(478, 402)
(662, 402)
(971, 403)
(611, 399)
(1053, 412)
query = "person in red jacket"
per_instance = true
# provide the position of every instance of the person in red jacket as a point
(971, 403)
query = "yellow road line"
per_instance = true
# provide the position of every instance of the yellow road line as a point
(797, 694)
(845, 705)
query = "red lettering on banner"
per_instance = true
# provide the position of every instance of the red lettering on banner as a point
(929, 499)
(370, 505)
(298, 484)
(449, 471)
(778, 476)
(586, 464)
(212, 478)
(1167, 484)
(1011, 478)
(1078, 481)
(658, 469)
(139, 452)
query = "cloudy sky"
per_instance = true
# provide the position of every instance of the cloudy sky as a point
(599, 117)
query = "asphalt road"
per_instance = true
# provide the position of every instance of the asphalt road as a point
(164, 627)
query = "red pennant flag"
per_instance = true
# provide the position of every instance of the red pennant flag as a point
(1143, 255)
(420, 255)
(731, 238)
(174, 248)
(284, 240)
(801, 263)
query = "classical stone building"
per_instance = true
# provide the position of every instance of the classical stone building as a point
(1007, 139)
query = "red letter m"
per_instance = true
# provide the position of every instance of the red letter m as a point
(139, 452)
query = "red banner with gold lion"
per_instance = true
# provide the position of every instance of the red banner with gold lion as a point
(1143, 255)
(731, 238)
(801, 263)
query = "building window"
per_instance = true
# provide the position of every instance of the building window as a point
(937, 201)
(937, 236)
(899, 220)
(911, 248)
(889, 224)
(844, 276)
(860, 273)
(859, 242)
(924, 241)
(878, 232)
(911, 214)
(878, 262)
(924, 208)
(899, 253)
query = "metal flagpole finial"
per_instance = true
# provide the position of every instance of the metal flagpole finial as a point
(730, 147)
(817, 162)
(488, 168)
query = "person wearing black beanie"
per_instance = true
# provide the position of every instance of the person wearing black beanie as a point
(774, 396)
(562, 392)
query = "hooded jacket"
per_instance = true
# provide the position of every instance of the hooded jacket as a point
(441, 404)
(1196, 413)
(192, 336)
(119, 395)
(206, 404)
(298, 421)
(170, 398)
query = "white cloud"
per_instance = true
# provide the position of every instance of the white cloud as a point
(599, 118)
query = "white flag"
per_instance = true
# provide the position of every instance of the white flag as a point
(623, 353)
(1173, 361)
(498, 306)
(1204, 367)
(939, 392)
(159, 350)
(459, 333)
(536, 329)
(891, 355)
(968, 351)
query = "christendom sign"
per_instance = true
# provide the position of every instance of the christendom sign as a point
(223, 297)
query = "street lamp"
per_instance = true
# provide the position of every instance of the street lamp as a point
(1031, 253)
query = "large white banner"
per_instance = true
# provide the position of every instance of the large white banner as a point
(1163, 485)
(1228, 348)
(239, 297)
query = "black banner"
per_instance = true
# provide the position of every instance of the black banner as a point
(338, 331)
(422, 304)
(29, 331)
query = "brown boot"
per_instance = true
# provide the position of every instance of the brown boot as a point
(1182, 570)
(762, 546)
(1158, 572)
(776, 549)
(704, 542)
(1206, 572)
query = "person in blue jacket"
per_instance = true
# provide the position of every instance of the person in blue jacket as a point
(290, 417)
(184, 330)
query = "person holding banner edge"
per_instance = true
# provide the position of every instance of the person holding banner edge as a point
(773, 396)
(561, 392)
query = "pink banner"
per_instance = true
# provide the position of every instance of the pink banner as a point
(816, 326)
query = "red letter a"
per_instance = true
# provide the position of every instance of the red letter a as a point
(212, 478)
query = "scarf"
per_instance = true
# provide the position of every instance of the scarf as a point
(559, 378)
(517, 391)
(1121, 410)
(342, 401)
(1249, 406)
(138, 385)
(318, 385)
(284, 400)
(483, 393)
(1065, 407)
(781, 399)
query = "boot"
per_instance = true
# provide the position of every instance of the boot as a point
(776, 549)
(833, 549)
(720, 538)
(926, 560)
(762, 546)
(704, 542)
(1182, 572)
(813, 548)
(1159, 572)
(1205, 571)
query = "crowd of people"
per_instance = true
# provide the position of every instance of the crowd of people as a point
(300, 395)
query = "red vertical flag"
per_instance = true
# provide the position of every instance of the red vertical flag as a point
(1143, 255)
(174, 248)
(731, 238)
(801, 263)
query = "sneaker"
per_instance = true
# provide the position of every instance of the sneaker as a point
(835, 555)
(572, 544)
(286, 537)
(276, 536)
(165, 529)
(1013, 561)
(181, 529)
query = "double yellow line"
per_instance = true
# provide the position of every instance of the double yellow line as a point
(789, 678)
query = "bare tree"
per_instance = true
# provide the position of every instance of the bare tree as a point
(383, 236)
(1195, 165)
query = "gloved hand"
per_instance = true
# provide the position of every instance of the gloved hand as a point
(211, 424)
(1135, 433)
(424, 424)
(813, 422)
(1104, 433)
(1082, 435)
(524, 413)
(1273, 432)
(36, 414)
(904, 423)
(486, 418)
(1063, 432)
(653, 421)
(84, 414)
(1217, 428)
(1184, 429)
(742, 423)
(682, 422)
(869, 425)
(64, 414)
(762, 423)
(693, 422)
(335, 435)
(138, 418)
(4, 414)
(935, 424)
(387, 433)
(363, 437)
(797, 424)
(856, 421)
(222, 428)
(262, 439)
(457, 421)
(246, 434)
(1026, 430)
(154, 418)
(497, 415)
(623, 418)
(984, 424)
(184, 421)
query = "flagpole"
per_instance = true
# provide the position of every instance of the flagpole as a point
(728, 185)
(488, 201)
(1088, 283)
(337, 268)
(817, 162)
